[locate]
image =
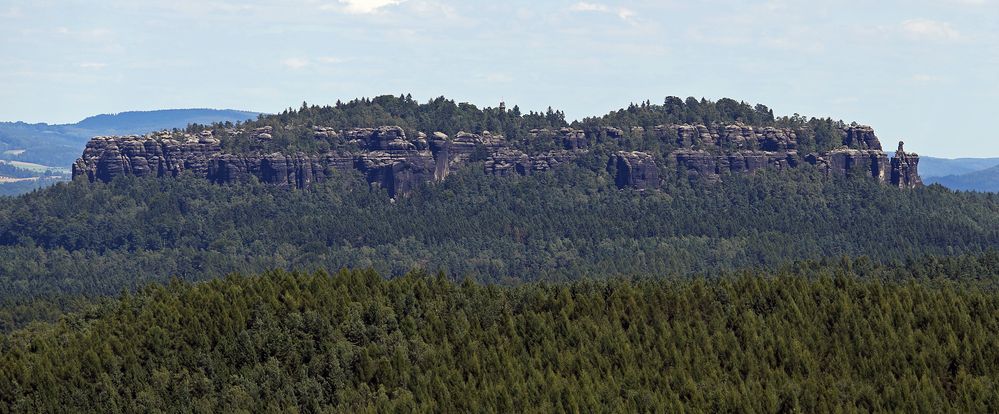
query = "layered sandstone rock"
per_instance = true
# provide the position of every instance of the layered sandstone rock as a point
(734, 137)
(904, 169)
(634, 169)
(707, 166)
(568, 138)
(388, 159)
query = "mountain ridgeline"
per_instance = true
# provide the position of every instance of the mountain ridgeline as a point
(397, 144)
(818, 190)
(59, 145)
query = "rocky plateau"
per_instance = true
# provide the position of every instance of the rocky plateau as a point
(398, 163)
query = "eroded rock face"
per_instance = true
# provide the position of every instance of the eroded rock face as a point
(734, 137)
(399, 164)
(905, 169)
(452, 153)
(387, 158)
(381, 138)
(711, 167)
(397, 172)
(509, 161)
(873, 163)
(569, 138)
(107, 157)
(634, 169)
(861, 137)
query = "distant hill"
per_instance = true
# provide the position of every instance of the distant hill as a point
(59, 145)
(969, 174)
(940, 167)
(141, 122)
(983, 180)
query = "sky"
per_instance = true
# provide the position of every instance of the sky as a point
(926, 71)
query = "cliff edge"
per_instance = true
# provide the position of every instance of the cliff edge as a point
(390, 159)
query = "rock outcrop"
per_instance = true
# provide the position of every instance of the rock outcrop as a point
(732, 137)
(634, 169)
(905, 169)
(569, 138)
(391, 160)
(384, 156)
(707, 166)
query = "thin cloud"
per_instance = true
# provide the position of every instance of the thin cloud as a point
(589, 7)
(295, 63)
(584, 7)
(926, 29)
(367, 6)
(924, 78)
(437, 9)
(330, 60)
(90, 34)
(92, 65)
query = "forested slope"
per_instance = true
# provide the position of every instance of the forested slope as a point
(570, 223)
(820, 338)
(984, 180)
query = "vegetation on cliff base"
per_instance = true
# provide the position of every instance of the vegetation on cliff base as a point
(818, 339)
(98, 239)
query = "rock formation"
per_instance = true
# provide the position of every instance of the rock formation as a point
(634, 169)
(385, 157)
(709, 166)
(388, 159)
(904, 169)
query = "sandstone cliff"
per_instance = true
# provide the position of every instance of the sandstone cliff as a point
(389, 159)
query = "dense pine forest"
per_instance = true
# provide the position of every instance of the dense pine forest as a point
(843, 337)
(98, 239)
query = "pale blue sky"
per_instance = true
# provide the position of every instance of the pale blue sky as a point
(923, 70)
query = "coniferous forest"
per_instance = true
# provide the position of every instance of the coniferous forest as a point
(100, 239)
(819, 338)
(776, 291)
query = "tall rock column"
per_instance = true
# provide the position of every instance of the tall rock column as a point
(905, 169)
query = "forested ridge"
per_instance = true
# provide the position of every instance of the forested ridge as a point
(292, 128)
(843, 337)
(780, 290)
(97, 239)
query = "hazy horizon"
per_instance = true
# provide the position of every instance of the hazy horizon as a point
(922, 71)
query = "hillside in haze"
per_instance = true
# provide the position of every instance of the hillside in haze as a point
(967, 174)
(983, 180)
(942, 167)
(141, 122)
(38, 155)
(59, 145)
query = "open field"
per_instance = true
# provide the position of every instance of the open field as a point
(36, 167)
(16, 180)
